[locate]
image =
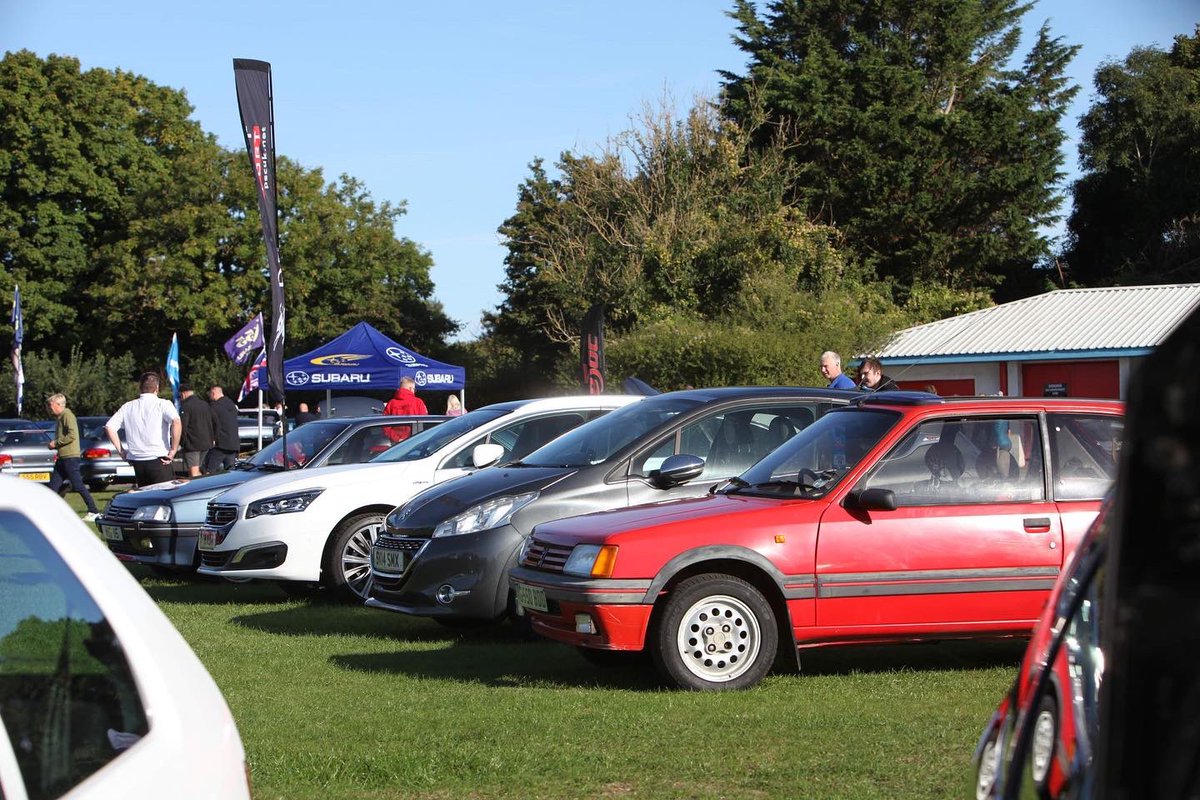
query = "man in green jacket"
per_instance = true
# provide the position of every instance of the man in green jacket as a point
(66, 442)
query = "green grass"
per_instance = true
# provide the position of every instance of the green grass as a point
(336, 701)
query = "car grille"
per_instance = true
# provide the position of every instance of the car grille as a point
(547, 557)
(410, 547)
(221, 514)
(119, 513)
(210, 558)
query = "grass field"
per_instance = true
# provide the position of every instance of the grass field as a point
(335, 701)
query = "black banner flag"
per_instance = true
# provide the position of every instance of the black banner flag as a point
(591, 350)
(253, 79)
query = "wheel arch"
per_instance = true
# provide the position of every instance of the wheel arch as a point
(329, 537)
(739, 562)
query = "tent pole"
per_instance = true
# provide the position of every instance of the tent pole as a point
(328, 402)
(260, 410)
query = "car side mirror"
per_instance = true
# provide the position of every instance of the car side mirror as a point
(872, 500)
(677, 470)
(484, 455)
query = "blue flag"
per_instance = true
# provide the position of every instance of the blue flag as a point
(18, 323)
(173, 367)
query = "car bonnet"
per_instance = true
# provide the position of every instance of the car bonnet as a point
(440, 502)
(326, 477)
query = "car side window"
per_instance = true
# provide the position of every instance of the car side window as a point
(729, 441)
(520, 438)
(964, 461)
(1085, 450)
(365, 443)
(67, 695)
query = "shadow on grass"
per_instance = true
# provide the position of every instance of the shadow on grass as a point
(515, 663)
(199, 589)
(329, 618)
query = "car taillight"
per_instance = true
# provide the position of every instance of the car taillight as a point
(5, 460)
(97, 452)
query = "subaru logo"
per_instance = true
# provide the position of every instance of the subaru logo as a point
(297, 378)
(396, 354)
(419, 377)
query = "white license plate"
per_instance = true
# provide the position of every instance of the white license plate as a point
(208, 539)
(386, 560)
(36, 476)
(532, 597)
(111, 532)
(124, 471)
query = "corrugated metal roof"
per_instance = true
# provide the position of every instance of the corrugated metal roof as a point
(1117, 318)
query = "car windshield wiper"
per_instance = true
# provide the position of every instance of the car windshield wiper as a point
(272, 467)
(728, 485)
(244, 464)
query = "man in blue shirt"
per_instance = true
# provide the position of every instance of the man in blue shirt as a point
(831, 368)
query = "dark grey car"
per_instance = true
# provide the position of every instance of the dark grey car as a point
(158, 525)
(458, 540)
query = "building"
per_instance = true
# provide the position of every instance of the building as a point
(1069, 342)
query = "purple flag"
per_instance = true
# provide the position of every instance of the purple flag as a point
(253, 80)
(243, 343)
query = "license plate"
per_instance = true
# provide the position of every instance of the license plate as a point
(532, 597)
(111, 532)
(386, 560)
(124, 471)
(208, 539)
(36, 476)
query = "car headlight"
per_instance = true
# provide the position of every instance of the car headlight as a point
(153, 513)
(591, 561)
(492, 514)
(283, 503)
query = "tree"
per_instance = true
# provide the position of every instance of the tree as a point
(936, 160)
(123, 221)
(1137, 206)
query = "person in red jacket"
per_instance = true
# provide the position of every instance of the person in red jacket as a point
(403, 402)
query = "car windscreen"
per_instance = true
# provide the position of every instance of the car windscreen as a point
(813, 461)
(430, 440)
(303, 443)
(596, 441)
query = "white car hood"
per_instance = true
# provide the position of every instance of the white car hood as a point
(389, 474)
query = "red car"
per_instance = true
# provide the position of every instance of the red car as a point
(1045, 731)
(903, 516)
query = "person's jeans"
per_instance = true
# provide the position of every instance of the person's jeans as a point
(66, 470)
(218, 459)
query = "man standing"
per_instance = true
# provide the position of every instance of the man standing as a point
(199, 431)
(871, 372)
(146, 421)
(831, 368)
(66, 442)
(403, 402)
(223, 454)
(304, 415)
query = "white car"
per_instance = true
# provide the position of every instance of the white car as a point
(99, 694)
(316, 528)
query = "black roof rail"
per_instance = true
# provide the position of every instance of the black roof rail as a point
(900, 398)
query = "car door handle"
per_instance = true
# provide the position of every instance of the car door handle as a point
(1037, 524)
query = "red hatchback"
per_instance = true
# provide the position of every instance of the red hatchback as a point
(903, 516)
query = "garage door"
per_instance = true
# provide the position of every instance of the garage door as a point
(1072, 379)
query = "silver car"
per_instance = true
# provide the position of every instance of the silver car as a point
(23, 454)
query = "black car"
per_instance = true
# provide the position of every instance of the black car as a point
(459, 539)
(159, 525)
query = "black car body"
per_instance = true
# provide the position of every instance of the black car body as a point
(159, 525)
(460, 539)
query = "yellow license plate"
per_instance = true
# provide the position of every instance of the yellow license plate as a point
(36, 476)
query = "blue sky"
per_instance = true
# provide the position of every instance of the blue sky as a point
(444, 106)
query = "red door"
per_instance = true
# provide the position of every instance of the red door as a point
(1072, 379)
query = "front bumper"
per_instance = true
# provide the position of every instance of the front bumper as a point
(452, 576)
(162, 544)
(587, 612)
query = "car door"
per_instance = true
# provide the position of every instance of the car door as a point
(729, 440)
(973, 543)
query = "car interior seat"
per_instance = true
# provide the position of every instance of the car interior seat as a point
(779, 431)
(945, 463)
(733, 447)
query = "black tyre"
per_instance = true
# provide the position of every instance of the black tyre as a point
(347, 568)
(716, 632)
